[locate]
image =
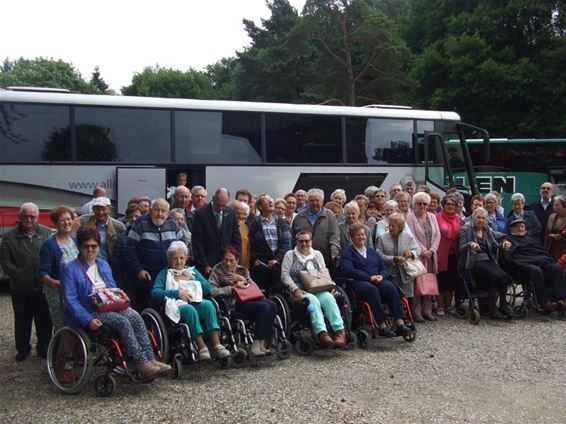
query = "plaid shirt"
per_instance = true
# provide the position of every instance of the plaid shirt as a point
(270, 232)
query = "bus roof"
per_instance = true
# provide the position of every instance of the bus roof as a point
(222, 105)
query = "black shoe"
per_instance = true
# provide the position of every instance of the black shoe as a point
(385, 332)
(21, 356)
(42, 353)
(402, 330)
(497, 316)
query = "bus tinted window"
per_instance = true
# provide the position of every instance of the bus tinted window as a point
(123, 135)
(379, 141)
(217, 137)
(526, 157)
(307, 139)
(34, 133)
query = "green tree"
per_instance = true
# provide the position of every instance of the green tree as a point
(162, 82)
(221, 75)
(500, 64)
(42, 72)
(361, 57)
(98, 83)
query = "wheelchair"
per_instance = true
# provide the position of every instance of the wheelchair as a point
(174, 340)
(237, 333)
(363, 321)
(296, 319)
(80, 352)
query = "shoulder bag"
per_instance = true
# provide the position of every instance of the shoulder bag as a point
(317, 283)
(248, 293)
(107, 299)
(413, 267)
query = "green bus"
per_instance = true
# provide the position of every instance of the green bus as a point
(512, 165)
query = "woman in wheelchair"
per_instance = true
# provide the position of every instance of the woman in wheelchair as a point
(228, 274)
(370, 281)
(479, 251)
(182, 288)
(304, 258)
(78, 281)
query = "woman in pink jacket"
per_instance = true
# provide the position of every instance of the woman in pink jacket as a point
(425, 229)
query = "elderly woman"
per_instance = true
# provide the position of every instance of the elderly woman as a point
(352, 212)
(182, 288)
(338, 196)
(227, 274)
(56, 252)
(478, 247)
(518, 212)
(403, 200)
(179, 216)
(448, 278)
(555, 240)
(424, 226)
(79, 279)
(383, 226)
(280, 206)
(395, 247)
(380, 198)
(242, 211)
(434, 203)
(494, 218)
(304, 258)
(291, 205)
(370, 281)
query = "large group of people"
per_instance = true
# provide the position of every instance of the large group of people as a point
(183, 247)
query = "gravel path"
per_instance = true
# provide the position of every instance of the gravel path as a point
(453, 373)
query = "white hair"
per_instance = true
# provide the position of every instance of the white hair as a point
(318, 191)
(352, 205)
(338, 191)
(175, 247)
(518, 197)
(28, 205)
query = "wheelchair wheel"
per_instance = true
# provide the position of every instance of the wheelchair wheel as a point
(520, 311)
(511, 294)
(345, 306)
(474, 317)
(283, 349)
(304, 346)
(70, 358)
(239, 357)
(463, 311)
(104, 385)
(156, 328)
(363, 339)
(177, 367)
(283, 311)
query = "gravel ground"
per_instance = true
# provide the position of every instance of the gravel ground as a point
(454, 372)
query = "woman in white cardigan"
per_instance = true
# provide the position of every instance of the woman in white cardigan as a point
(425, 229)
(395, 247)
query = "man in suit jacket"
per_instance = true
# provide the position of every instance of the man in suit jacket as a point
(214, 227)
(543, 207)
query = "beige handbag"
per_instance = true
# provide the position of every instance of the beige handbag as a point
(413, 267)
(317, 283)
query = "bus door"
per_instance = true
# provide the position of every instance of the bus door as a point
(437, 170)
(138, 181)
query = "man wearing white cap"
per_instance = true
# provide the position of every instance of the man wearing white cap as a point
(108, 228)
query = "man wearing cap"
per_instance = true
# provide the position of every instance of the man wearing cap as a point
(527, 258)
(97, 192)
(108, 228)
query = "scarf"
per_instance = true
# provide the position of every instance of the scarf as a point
(303, 259)
(186, 283)
(449, 225)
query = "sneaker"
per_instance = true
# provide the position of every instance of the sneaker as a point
(220, 352)
(204, 354)
(21, 356)
(147, 369)
(163, 368)
(440, 312)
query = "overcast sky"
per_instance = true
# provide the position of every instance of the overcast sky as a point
(124, 36)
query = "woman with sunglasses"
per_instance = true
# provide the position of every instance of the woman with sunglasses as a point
(424, 226)
(78, 281)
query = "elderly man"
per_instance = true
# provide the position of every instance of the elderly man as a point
(108, 227)
(182, 180)
(198, 196)
(144, 203)
(214, 228)
(528, 259)
(301, 196)
(182, 200)
(96, 193)
(149, 238)
(518, 211)
(394, 190)
(543, 207)
(19, 255)
(321, 223)
(270, 239)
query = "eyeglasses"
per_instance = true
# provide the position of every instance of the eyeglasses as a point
(379, 195)
(303, 241)
(449, 204)
(546, 188)
(32, 217)
(90, 246)
(421, 204)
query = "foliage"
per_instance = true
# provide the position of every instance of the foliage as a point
(93, 144)
(162, 82)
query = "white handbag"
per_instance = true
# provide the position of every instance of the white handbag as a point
(414, 268)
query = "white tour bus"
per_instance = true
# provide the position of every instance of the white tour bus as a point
(56, 147)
